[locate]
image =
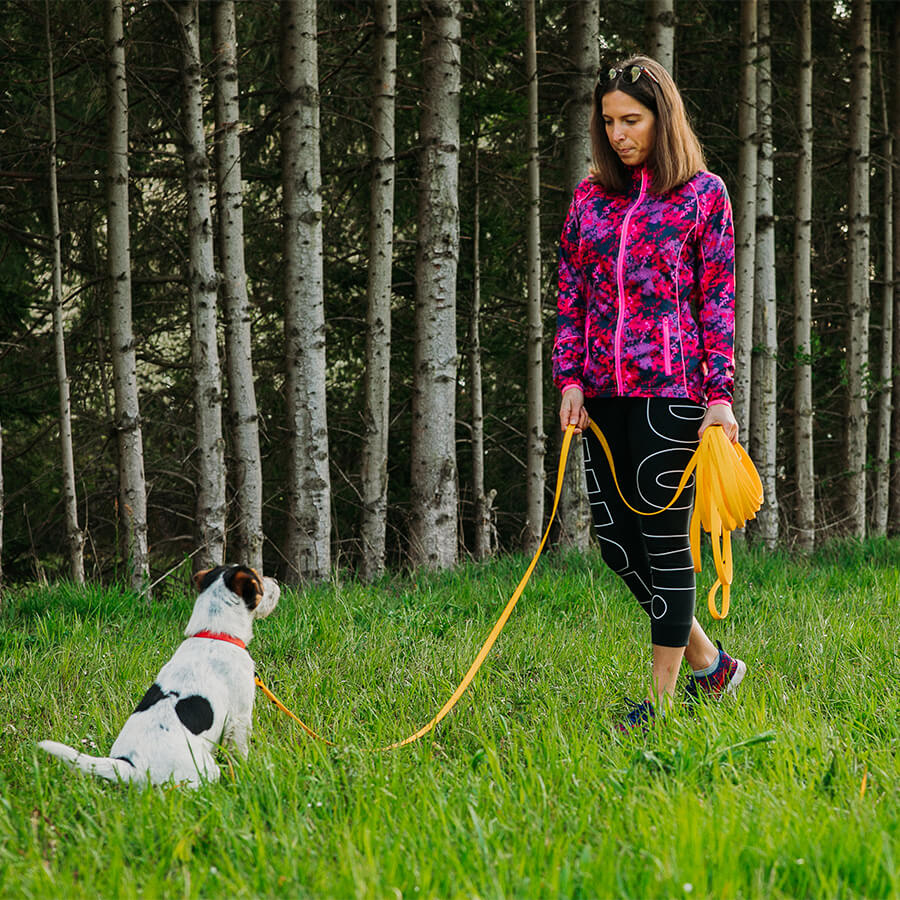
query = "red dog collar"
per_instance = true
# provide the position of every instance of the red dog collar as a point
(217, 636)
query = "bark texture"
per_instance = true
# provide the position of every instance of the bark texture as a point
(74, 534)
(583, 22)
(764, 403)
(127, 415)
(881, 495)
(203, 282)
(308, 543)
(895, 390)
(374, 478)
(534, 521)
(238, 343)
(745, 218)
(433, 532)
(661, 32)
(858, 299)
(803, 397)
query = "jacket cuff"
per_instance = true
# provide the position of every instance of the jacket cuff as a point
(571, 383)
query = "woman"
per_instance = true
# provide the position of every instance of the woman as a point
(644, 347)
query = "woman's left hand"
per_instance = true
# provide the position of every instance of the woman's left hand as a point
(720, 414)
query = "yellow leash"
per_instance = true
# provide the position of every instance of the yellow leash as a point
(724, 500)
(729, 493)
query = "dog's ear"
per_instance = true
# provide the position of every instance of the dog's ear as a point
(206, 577)
(198, 578)
(244, 582)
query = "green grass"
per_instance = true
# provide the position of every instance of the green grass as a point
(523, 791)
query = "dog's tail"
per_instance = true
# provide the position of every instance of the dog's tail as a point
(104, 766)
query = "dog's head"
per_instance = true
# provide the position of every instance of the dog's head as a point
(242, 586)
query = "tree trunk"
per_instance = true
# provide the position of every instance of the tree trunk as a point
(661, 32)
(803, 398)
(484, 528)
(881, 497)
(858, 267)
(763, 392)
(745, 219)
(374, 477)
(894, 519)
(238, 344)
(583, 24)
(210, 520)
(74, 534)
(308, 543)
(433, 534)
(535, 338)
(127, 417)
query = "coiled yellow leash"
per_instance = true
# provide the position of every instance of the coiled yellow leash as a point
(728, 493)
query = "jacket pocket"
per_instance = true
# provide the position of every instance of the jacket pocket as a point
(667, 348)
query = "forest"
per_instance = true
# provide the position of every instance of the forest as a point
(278, 279)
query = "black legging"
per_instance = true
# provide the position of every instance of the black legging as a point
(652, 440)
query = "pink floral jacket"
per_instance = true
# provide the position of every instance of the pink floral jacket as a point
(646, 292)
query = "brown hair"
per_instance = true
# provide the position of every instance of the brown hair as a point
(676, 155)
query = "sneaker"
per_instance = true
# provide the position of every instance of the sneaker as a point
(724, 680)
(640, 717)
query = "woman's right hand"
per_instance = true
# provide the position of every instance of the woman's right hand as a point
(572, 411)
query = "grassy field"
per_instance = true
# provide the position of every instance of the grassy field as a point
(792, 790)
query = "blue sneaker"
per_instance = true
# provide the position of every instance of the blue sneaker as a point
(640, 717)
(728, 674)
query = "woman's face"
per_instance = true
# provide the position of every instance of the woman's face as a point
(630, 127)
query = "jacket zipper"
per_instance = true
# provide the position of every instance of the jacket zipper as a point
(667, 348)
(620, 280)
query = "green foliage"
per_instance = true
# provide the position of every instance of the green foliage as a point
(493, 106)
(523, 791)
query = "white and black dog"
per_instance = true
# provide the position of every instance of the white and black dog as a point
(202, 697)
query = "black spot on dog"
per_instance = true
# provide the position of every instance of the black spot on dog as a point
(205, 579)
(125, 759)
(151, 698)
(195, 713)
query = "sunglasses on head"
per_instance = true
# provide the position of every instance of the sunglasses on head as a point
(630, 74)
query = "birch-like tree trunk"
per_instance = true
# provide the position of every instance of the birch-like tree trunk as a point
(74, 534)
(745, 218)
(881, 496)
(210, 517)
(534, 390)
(374, 476)
(763, 391)
(858, 266)
(238, 345)
(894, 518)
(583, 23)
(127, 416)
(661, 32)
(483, 543)
(433, 533)
(308, 542)
(803, 396)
